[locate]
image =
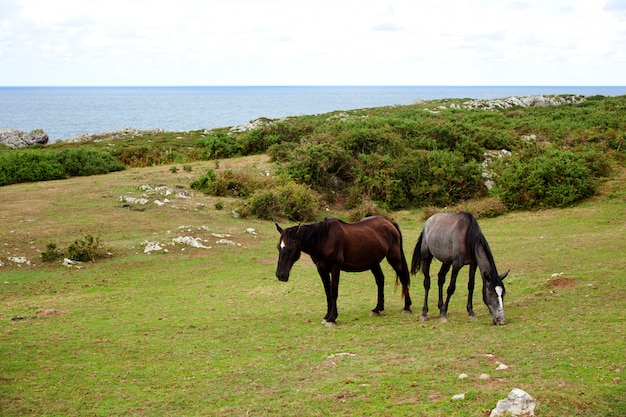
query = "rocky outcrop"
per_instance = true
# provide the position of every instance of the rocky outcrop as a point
(505, 103)
(14, 138)
(528, 101)
(122, 132)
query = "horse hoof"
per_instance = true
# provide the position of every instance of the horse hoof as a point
(423, 318)
(443, 319)
(330, 323)
(374, 313)
(407, 312)
(472, 318)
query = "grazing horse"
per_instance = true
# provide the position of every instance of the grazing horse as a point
(335, 246)
(456, 240)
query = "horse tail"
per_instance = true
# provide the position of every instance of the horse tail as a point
(405, 277)
(416, 261)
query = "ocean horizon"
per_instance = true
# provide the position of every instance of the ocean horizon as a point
(63, 112)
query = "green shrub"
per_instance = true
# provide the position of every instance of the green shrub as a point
(85, 161)
(438, 178)
(52, 253)
(202, 183)
(226, 184)
(282, 152)
(323, 166)
(87, 249)
(376, 179)
(29, 165)
(555, 178)
(293, 201)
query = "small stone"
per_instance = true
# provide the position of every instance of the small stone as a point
(463, 376)
(458, 397)
(484, 377)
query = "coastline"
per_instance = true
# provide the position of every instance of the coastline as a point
(65, 112)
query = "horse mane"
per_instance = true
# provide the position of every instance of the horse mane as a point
(310, 234)
(475, 238)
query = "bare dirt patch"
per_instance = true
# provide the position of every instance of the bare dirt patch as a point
(561, 283)
(48, 312)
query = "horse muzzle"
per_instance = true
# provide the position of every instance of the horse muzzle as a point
(282, 276)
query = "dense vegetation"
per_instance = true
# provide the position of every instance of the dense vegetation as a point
(431, 154)
(30, 165)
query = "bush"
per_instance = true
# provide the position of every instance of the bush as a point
(19, 166)
(554, 178)
(439, 178)
(87, 249)
(226, 184)
(52, 253)
(323, 166)
(293, 201)
(85, 161)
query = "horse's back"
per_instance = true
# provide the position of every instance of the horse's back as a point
(366, 241)
(444, 236)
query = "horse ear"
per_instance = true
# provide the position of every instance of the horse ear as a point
(280, 229)
(504, 275)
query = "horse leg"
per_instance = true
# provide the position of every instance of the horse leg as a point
(426, 271)
(380, 283)
(451, 289)
(443, 313)
(470, 289)
(331, 320)
(402, 272)
(325, 276)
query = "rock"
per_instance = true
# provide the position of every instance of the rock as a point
(336, 355)
(458, 397)
(71, 263)
(19, 260)
(14, 138)
(484, 377)
(133, 200)
(194, 242)
(152, 246)
(463, 376)
(518, 403)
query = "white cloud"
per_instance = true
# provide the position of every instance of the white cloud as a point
(283, 42)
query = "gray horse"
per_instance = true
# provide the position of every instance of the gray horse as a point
(456, 240)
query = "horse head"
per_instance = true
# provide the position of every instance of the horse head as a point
(493, 296)
(289, 251)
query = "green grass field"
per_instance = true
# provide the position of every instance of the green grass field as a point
(212, 332)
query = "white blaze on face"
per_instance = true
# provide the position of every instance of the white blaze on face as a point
(282, 244)
(499, 292)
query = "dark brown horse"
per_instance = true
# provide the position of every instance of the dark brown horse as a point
(456, 240)
(335, 246)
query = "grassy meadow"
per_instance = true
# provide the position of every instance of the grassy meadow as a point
(211, 331)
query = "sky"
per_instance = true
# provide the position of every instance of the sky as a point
(312, 42)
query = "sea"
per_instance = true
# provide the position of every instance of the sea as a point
(63, 112)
